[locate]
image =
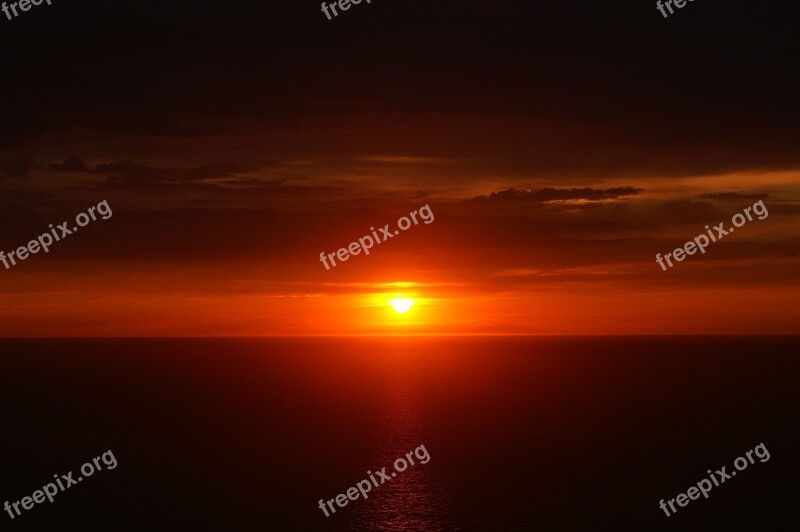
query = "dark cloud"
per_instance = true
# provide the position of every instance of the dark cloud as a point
(220, 181)
(128, 172)
(129, 175)
(15, 167)
(515, 196)
(21, 196)
(73, 164)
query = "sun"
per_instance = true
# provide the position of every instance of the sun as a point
(401, 305)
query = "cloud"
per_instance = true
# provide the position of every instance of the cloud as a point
(73, 164)
(126, 175)
(516, 196)
(130, 175)
(21, 196)
(15, 167)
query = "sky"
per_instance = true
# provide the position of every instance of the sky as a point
(561, 146)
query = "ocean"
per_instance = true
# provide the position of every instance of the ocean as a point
(522, 433)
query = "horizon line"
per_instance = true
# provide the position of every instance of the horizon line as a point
(418, 335)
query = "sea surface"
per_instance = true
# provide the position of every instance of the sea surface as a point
(523, 433)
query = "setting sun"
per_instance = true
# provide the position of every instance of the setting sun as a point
(401, 305)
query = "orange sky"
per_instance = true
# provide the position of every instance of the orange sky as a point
(561, 147)
(518, 264)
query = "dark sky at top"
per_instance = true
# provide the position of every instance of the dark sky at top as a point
(719, 77)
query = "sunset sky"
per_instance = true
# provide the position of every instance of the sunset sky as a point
(235, 143)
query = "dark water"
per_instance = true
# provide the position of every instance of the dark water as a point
(522, 433)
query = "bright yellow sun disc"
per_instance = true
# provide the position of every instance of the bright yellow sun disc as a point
(401, 305)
